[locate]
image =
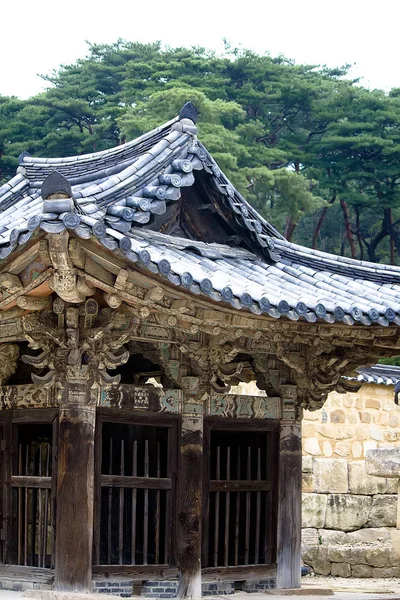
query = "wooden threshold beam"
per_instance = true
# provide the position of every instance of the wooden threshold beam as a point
(240, 573)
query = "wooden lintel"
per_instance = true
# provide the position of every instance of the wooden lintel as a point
(142, 398)
(38, 415)
(29, 396)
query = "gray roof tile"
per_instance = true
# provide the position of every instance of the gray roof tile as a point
(287, 281)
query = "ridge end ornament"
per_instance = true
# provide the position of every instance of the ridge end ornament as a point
(189, 111)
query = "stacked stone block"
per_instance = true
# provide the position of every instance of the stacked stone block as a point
(119, 587)
(349, 517)
(169, 589)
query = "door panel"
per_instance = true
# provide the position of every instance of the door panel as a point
(136, 494)
(26, 492)
(31, 484)
(240, 497)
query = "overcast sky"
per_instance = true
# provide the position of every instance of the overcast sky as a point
(39, 35)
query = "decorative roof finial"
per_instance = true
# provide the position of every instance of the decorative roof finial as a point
(55, 183)
(189, 111)
(22, 156)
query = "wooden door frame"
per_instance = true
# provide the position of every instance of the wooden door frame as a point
(240, 572)
(5, 481)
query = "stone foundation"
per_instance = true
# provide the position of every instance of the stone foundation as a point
(363, 553)
(349, 517)
(122, 587)
(125, 588)
(258, 586)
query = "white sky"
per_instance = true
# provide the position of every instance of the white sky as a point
(39, 35)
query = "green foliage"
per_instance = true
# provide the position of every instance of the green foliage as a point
(294, 139)
(394, 360)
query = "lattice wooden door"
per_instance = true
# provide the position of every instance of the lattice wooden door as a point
(239, 496)
(27, 493)
(135, 494)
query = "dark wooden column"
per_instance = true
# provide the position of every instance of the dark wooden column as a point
(190, 496)
(289, 506)
(75, 483)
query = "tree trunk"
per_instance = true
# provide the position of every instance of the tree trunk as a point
(321, 221)
(372, 246)
(318, 227)
(394, 237)
(343, 244)
(347, 223)
(358, 232)
(289, 229)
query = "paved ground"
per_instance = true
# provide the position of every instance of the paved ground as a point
(328, 588)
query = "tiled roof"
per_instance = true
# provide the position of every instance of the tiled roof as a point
(380, 374)
(118, 192)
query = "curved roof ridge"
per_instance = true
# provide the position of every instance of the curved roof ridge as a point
(132, 176)
(115, 150)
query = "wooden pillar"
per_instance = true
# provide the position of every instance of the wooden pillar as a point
(75, 483)
(190, 496)
(289, 506)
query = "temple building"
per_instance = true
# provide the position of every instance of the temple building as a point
(136, 287)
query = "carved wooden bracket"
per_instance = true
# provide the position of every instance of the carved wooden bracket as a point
(9, 354)
(80, 344)
(320, 369)
(65, 281)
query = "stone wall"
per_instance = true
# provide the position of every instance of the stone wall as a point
(349, 517)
